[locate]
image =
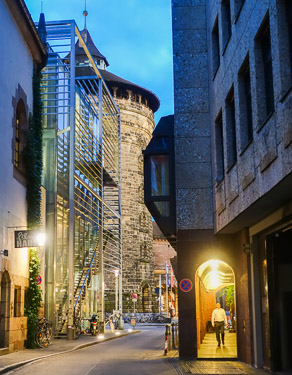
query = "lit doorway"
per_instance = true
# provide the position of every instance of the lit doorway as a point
(215, 283)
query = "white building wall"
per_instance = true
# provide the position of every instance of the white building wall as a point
(16, 71)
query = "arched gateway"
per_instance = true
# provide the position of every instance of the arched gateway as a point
(215, 283)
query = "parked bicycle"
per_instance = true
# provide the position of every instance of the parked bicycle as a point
(44, 333)
(112, 322)
(77, 325)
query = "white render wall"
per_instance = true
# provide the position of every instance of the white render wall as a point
(16, 69)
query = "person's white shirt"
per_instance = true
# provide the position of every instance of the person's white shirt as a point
(218, 315)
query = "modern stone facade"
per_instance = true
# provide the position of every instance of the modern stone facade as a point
(232, 93)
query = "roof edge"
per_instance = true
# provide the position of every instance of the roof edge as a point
(28, 29)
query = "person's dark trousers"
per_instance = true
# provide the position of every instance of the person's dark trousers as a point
(219, 328)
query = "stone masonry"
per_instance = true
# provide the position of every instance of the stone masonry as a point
(137, 124)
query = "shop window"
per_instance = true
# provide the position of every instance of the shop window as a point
(215, 47)
(219, 148)
(17, 301)
(230, 130)
(245, 106)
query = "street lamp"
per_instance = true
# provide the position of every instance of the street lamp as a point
(116, 294)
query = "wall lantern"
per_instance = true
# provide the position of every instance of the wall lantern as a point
(159, 177)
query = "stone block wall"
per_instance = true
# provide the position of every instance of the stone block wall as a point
(264, 162)
(191, 120)
(137, 124)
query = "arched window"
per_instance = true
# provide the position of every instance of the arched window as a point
(20, 136)
(144, 251)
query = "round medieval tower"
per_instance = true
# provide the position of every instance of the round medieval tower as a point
(137, 107)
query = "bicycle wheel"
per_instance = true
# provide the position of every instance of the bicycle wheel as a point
(77, 328)
(40, 339)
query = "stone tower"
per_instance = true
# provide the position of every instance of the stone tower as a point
(137, 106)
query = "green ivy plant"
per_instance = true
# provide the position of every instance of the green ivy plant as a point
(33, 169)
(229, 295)
(33, 299)
(33, 156)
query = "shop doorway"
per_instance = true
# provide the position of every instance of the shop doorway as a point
(4, 310)
(276, 297)
(215, 283)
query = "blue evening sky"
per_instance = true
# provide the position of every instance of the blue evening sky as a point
(134, 35)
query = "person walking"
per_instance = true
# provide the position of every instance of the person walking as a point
(218, 321)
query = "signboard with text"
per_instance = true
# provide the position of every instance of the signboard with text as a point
(25, 238)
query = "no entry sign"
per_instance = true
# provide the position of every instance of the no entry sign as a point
(185, 285)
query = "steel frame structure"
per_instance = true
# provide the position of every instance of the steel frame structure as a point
(82, 176)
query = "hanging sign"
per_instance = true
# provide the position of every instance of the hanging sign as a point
(25, 238)
(185, 285)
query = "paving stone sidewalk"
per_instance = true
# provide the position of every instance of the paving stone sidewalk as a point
(213, 367)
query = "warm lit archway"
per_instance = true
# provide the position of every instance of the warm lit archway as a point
(215, 282)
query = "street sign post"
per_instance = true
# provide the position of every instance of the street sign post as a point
(134, 300)
(185, 285)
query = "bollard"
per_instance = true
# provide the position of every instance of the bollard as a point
(166, 340)
(169, 346)
(172, 336)
(176, 335)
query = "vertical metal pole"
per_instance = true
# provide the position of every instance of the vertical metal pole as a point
(159, 293)
(166, 288)
(121, 322)
(70, 330)
(101, 265)
(116, 294)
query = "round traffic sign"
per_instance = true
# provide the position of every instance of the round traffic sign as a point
(185, 285)
(134, 296)
(39, 279)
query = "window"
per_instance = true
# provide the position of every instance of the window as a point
(215, 47)
(226, 22)
(219, 153)
(230, 130)
(20, 136)
(288, 4)
(245, 107)
(144, 252)
(17, 301)
(238, 4)
(159, 175)
(264, 73)
(268, 70)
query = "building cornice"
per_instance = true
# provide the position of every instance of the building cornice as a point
(28, 30)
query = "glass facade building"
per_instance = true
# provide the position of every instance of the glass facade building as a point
(81, 141)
